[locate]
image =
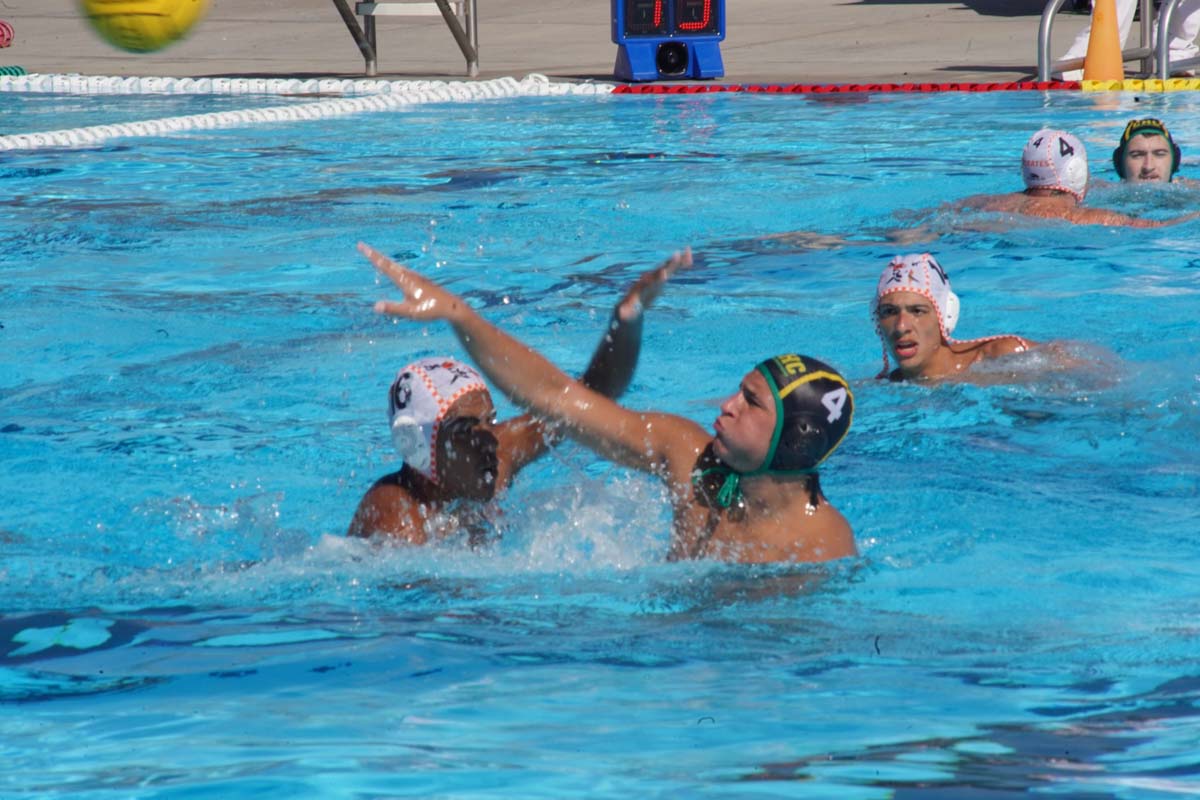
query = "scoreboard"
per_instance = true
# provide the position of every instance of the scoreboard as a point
(668, 39)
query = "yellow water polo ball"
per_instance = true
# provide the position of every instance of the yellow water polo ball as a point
(143, 26)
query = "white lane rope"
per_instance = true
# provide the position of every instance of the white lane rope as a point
(351, 97)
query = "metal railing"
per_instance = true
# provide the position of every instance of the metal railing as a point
(1143, 52)
(462, 20)
(1165, 67)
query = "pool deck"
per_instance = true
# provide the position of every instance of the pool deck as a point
(767, 41)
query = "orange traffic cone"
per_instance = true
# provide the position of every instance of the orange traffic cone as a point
(1103, 61)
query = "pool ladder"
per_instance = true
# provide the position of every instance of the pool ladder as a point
(1155, 61)
(459, 15)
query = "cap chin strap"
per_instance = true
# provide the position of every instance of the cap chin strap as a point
(731, 487)
(731, 490)
(730, 494)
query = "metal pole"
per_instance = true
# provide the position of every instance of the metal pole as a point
(365, 45)
(1147, 15)
(372, 66)
(460, 36)
(1044, 62)
(1164, 42)
(473, 30)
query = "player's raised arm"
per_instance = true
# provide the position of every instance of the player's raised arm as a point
(646, 441)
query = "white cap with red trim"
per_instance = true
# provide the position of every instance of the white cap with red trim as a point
(920, 273)
(1055, 160)
(417, 403)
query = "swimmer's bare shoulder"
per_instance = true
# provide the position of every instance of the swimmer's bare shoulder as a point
(1116, 218)
(1056, 206)
(985, 202)
(999, 346)
(1007, 345)
(787, 529)
(790, 529)
(972, 352)
(1104, 216)
(797, 532)
(1017, 203)
(389, 509)
(812, 535)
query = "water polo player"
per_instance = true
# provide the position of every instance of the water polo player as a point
(1146, 153)
(748, 493)
(456, 456)
(1054, 168)
(915, 312)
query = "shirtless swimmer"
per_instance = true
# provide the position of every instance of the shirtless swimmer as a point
(750, 492)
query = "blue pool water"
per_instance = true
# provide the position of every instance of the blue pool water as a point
(192, 401)
(35, 112)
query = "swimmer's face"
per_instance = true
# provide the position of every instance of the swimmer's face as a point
(1148, 159)
(467, 448)
(909, 324)
(746, 425)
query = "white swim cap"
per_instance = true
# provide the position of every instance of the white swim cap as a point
(920, 273)
(417, 403)
(1055, 160)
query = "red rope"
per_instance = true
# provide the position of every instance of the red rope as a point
(842, 88)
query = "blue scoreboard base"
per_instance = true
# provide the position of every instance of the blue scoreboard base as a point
(636, 60)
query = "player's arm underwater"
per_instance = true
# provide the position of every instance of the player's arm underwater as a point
(611, 369)
(653, 442)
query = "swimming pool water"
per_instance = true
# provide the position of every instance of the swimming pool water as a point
(35, 112)
(192, 401)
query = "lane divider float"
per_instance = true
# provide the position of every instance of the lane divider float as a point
(379, 96)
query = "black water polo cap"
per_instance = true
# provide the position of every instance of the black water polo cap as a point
(814, 408)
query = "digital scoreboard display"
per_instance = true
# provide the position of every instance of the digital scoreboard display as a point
(695, 16)
(645, 17)
(670, 17)
(668, 38)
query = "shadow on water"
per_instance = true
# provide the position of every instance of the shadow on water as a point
(633, 620)
(1093, 751)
